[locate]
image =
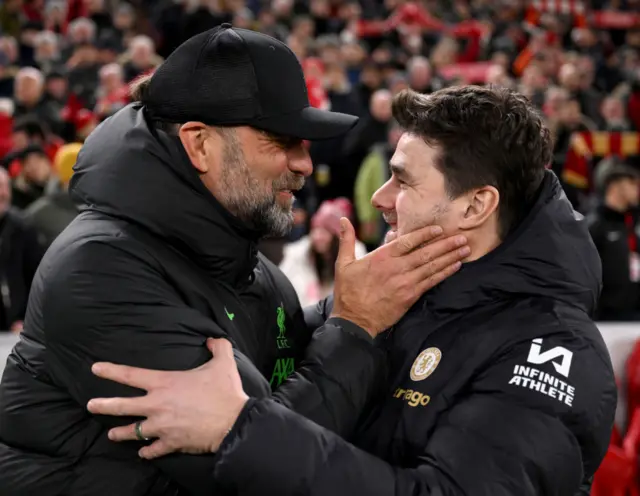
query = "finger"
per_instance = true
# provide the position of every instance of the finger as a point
(211, 344)
(120, 407)
(156, 449)
(347, 246)
(439, 264)
(408, 242)
(124, 433)
(432, 281)
(130, 376)
(128, 432)
(427, 254)
(222, 348)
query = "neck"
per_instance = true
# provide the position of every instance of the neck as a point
(614, 202)
(481, 243)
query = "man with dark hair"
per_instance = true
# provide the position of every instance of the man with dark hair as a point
(177, 189)
(20, 254)
(612, 225)
(35, 179)
(500, 383)
(27, 130)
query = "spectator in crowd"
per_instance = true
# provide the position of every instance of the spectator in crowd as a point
(124, 19)
(571, 78)
(310, 262)
(54, 16)
(113, 93)
(11, 17)
(6, 124)
(97, 11)
(533, 85)
(373, 173)
(81, 31)
(7, 75)
(36, 177)
(20, 254)
(47, 52)
(568, 120)
(370, 131)
(613, 231)
(420, 76)
(83, 67)
(140, 58)
(29, 98)
(55, 210)
(29, 131)
(57, 89)
(614, 115)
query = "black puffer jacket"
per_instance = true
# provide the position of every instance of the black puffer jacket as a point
(501, 385)
(143, 276)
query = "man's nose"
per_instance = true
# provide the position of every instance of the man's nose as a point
(300, 161)
(383, 198)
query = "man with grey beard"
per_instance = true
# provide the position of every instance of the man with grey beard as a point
(178, 188)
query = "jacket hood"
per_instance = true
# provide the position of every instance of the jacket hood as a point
(142, 175)
(550, 254)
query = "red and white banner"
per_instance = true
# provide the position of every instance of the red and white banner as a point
(471, 73)
(571, 7)
(611, 19)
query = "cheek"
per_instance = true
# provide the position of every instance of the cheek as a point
(407, 210)
(269, 167)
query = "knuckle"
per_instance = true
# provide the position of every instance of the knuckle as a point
(432, 267)
(405, 244)
(426, 257)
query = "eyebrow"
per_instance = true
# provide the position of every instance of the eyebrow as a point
(286, 141)
(399, 171)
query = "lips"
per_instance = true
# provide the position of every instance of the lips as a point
(392, 221)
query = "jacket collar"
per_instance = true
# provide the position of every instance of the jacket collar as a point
(133, 172)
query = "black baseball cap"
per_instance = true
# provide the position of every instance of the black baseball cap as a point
(237, 77)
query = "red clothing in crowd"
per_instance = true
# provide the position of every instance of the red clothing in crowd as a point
(6, 126)
(633, 109)
(112, 102)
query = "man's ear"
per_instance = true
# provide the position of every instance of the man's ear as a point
(193, 135)
(479, 205)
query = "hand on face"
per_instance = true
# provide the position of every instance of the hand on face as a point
(187, 411)
(375, 291)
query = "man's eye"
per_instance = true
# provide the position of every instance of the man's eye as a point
(289, 143)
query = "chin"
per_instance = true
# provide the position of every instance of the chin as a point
(390, 236)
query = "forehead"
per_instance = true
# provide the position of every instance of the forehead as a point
(413, 153)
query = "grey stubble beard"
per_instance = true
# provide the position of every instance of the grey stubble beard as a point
(244, 196)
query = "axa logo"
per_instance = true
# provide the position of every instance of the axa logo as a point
(559, 357)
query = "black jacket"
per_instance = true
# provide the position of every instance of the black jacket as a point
(143, 276)
(20, 254)
(620, 298)
(500, 385)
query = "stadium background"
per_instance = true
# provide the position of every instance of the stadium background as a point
(65, 66)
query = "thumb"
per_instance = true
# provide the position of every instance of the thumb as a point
(220, 347)
(211, 344)
(347, 248)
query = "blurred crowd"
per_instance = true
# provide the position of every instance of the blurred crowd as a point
(65, 66)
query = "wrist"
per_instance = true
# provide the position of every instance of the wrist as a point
(236, 408)
(351, 324)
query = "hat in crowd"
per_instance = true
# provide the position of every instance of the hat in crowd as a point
(66, 157)
(32, 150)
(612, 169)
(329, 214)
(236, 77)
